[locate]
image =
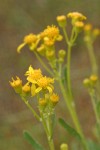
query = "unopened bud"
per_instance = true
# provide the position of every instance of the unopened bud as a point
(64, 147)
(61, 20)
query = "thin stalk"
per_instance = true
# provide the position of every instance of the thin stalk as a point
(65, 34)
(31, 108)
(47, 127)
(92, 58)
(94, 99)
(43, 64)
(51, 144)
(68, 70)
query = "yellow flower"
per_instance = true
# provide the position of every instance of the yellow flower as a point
(79, 24)
(45, 83)
(42, 102)
(96, 32)
(86, 82)
(64, 146)
(76, 16)
(54, 98)
(16, 84)
(26, 88)
(61, 20)
(51, 33)
(30, 39)
(33, 74)
(87, 27)
(48, 42)
(94, 78)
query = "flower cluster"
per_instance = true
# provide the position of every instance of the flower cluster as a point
(37, 84)
(90, 33)
(91, 81)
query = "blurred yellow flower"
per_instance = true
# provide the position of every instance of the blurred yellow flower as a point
(94, 78)
(16, 84)
(54, 98)
(76, 16)
(26, 88)
(79, 24)
(42, 102)
(30, 39)
(87, 27)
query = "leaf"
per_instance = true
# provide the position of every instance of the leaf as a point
(71, 130)
(92, 145)
(32, 141)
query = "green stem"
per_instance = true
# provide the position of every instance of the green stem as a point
(65, 34)
(94, 99)
(32, 110)
(92, 58)
(51, 144)
(43, 64)
(47, 126)
(68, 70)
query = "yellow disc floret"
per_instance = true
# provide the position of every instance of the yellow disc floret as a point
(44, 82)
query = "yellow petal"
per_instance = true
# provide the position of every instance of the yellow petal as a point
(20, 47)
(38, 90)
(49, 89)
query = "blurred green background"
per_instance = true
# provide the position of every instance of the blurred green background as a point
(21, 17)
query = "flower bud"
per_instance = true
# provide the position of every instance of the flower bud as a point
(16, 84)
(26, 89)
(64, 146)
(61, 55)
(61, 20)
(42, 103)
(86, 82)
(54, 98)
(93, 79)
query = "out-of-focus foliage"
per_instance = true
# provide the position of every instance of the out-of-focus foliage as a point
(18, 18)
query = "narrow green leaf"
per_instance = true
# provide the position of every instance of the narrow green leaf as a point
(32, 141)
(71, 130)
